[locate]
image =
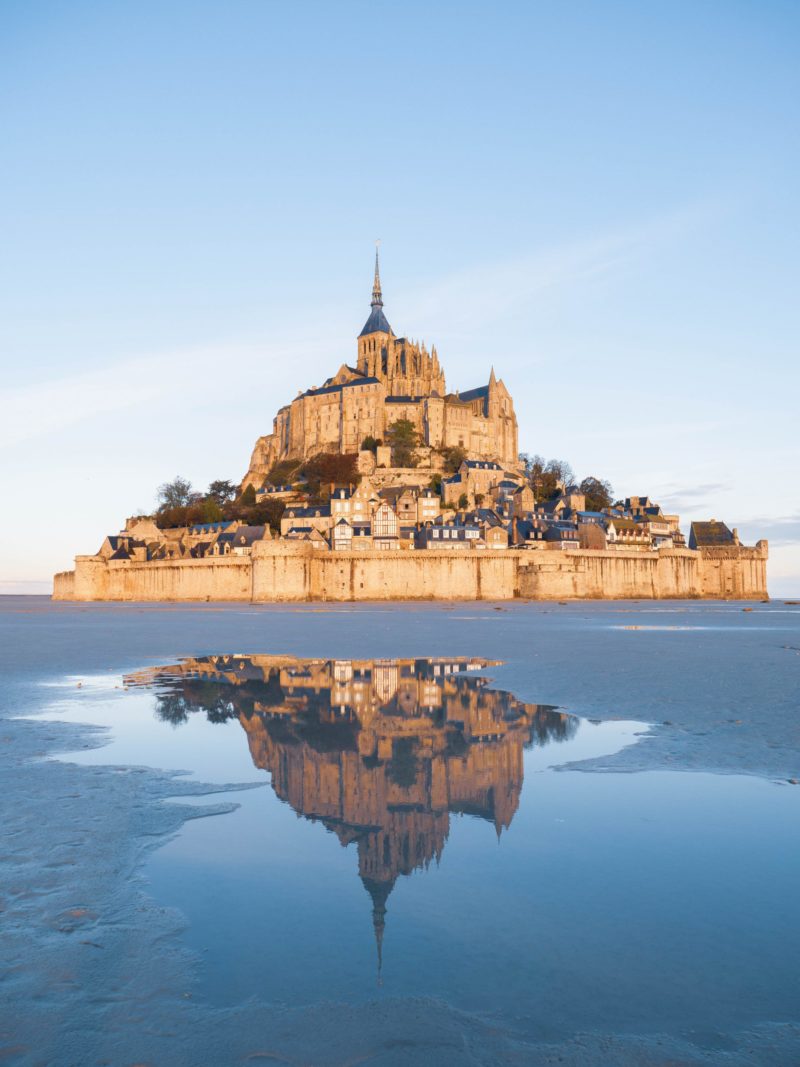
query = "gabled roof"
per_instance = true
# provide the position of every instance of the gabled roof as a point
(712, 534)
(246, 535)
(394, 492)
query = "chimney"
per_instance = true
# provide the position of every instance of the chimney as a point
(736, 540)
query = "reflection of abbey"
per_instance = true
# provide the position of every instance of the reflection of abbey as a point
(394, 378)
(382, 752)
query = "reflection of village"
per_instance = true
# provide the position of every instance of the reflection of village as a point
(382, 752)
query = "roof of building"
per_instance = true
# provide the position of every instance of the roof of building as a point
(317, 511)
(402, 399)
(377, 322)
(482, 464)
(394, 492)
(474, 394)
(710, 534)
(246, 535)
(210, 527)
(338, 388)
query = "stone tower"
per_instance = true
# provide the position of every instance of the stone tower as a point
(404, 367)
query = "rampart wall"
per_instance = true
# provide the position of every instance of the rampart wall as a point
(280, 572)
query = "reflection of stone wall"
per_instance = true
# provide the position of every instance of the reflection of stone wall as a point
(279, 572)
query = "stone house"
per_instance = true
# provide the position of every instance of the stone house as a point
(317, 516)
(446, 536)
(404, 501)
(385, 527)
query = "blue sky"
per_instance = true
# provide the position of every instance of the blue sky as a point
(598, 199)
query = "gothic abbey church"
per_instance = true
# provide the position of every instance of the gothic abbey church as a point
(393, 379)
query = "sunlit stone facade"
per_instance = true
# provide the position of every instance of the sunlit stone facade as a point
(394, 378)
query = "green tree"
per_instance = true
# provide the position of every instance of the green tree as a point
(453, 456)
(436, 483)
(463, 501)
(210, 510)
(599, 493)
(403, 438)
(248, 497)
(370, 444)
(283, 472)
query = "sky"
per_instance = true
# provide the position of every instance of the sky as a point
(599, 199)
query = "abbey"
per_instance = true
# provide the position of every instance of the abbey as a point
(393, 379)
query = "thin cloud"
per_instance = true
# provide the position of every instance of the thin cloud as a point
(479, 295)
(784, 530)
(686, 497)
(187, 376)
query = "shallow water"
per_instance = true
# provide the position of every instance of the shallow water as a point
(418, 835)
(478, 829)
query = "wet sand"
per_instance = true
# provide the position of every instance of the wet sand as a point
(95, 971)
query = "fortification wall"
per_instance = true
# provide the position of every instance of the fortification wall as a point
(225, 578)
(304, 574)
(64, 585)
(296, 572)
(734, 573)
(611, 575)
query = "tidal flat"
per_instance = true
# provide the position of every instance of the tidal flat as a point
(514, 833)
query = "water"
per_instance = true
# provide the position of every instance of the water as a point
(418, 835)
(460, 828)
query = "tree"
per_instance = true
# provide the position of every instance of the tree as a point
(282, 472)
(174, 494)
(436, 483)
(453, 457)
(403, 438)
(210, 510)
(598, 493)
(370, 444)
(547, 477)
(463, 501)
(330, 468)
(248, 497)
(221, 492)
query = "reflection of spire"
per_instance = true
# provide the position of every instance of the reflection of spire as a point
(379, 891)
(377, 297)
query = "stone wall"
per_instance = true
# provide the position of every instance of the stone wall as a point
(452, 575)
(297, 572)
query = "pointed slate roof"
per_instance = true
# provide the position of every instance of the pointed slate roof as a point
(377, 321)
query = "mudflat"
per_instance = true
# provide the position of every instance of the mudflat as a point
(441, 833)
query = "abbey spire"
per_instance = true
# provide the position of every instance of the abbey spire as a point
(377, 298)
(377, 322)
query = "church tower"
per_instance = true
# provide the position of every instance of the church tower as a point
(406, 368)
(373, 341)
